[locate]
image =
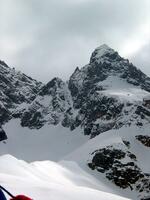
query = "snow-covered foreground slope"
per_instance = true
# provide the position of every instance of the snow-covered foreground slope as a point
(47, 180)
(114, 157)
(50, 142)
(67, 148)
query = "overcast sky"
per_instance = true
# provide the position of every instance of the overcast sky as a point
(51, 37)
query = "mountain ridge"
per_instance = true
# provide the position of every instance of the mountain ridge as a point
(107, 102)
(105, 68)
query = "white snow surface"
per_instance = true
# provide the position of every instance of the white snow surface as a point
(102, 50)
(66, 179)
(120, 89)
(69, 178)
(47, 180)
(115, 138)
(50, 142)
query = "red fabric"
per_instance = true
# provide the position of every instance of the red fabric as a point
(21, 197)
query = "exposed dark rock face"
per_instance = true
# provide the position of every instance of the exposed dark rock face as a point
(146, 198)
(103, 63)
(142, 111)
(98, 107)
(68, 118)
(15, 88)
(124, 175)
(127, 143)
(3, 135)
(85, 100)
(100, 96)
(97, 110)
(50, 106)
(144, 139)
(105, 158)
(121, 168)
(144, 184)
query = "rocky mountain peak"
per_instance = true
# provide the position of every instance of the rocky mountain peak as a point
(103, 53)
(108, 94)
(53, 85)
(16, 88)
(104, 63)
(97, 91)
(2, 63)
(49, 106)
(103, 49)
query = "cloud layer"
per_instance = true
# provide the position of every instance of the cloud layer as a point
(51, 37)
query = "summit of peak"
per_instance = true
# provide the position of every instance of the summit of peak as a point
(103, 46)
(101, 51)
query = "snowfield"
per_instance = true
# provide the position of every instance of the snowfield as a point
(47, 180)
(120, 89)
(68, 177)
(48, 143)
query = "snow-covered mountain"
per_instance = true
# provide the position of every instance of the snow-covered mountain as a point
(99, 118)
(16, 88)
(107, 93)
(50, 106)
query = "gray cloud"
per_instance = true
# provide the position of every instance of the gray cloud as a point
(51, 37)
(142, 58)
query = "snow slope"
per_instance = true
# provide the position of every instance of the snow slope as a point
(49, 181)
(119, 88)
(115, 138)
(50, 142)
(72, 150)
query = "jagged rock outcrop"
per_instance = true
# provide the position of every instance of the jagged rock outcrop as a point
(104, 62)
(104, 92)
(98, 97)
(15, 88)
(144, 139)
(120, 166)
(3, 135)
(51, 105)
(109, 93)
